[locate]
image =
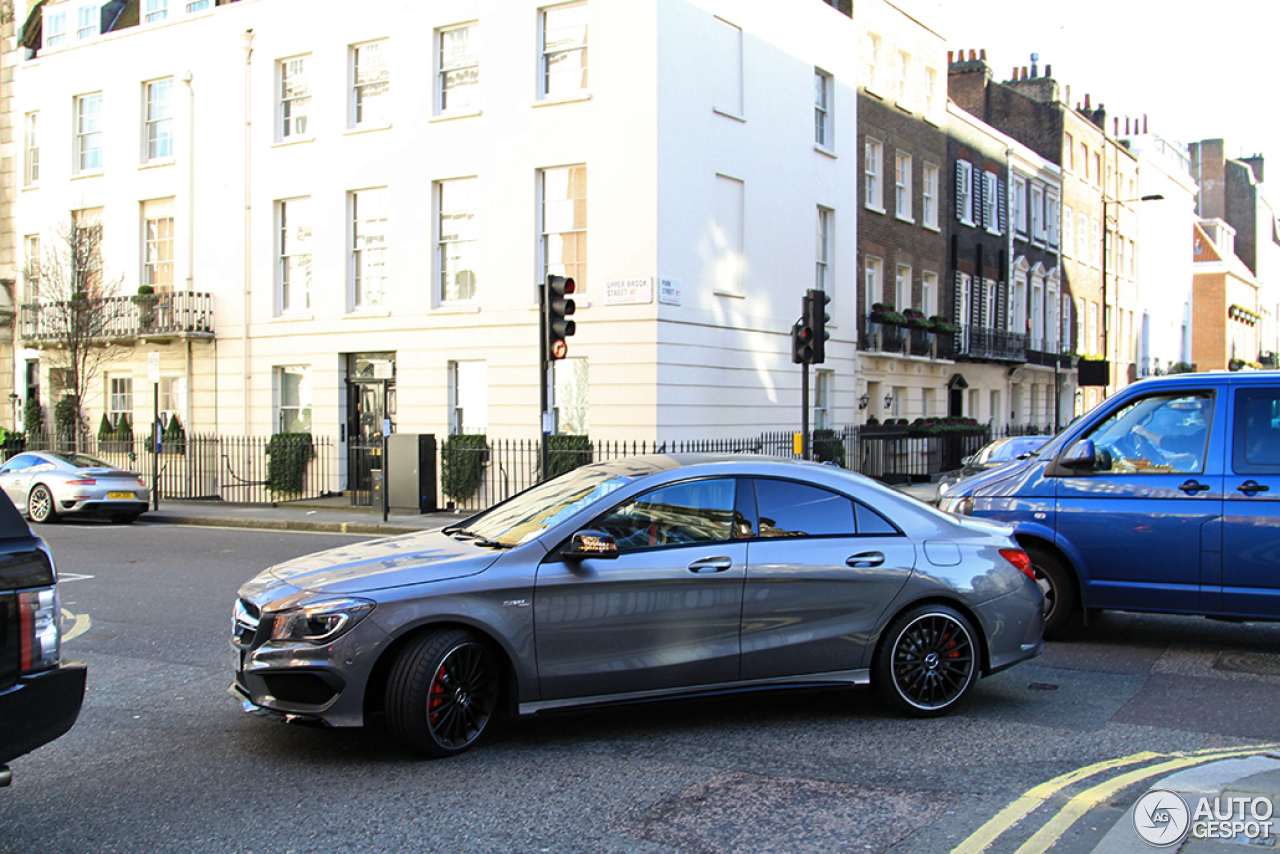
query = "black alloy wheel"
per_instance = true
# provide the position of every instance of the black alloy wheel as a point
(40, 506)
(928, 661)
(442, 692)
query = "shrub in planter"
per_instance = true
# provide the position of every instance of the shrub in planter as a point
(106, 431)
(174, 437)
(881, 313)
(916, 319)
(828, 447)
(66, 414)
(942, 324)
(287, 457)
(462, 460)
(124, 430)
(32, 417)
(566, 453)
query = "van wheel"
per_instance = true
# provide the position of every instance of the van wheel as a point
(1061, 598)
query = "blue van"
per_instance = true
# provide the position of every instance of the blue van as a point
(1166, 497)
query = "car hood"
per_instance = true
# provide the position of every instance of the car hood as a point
(971, 484)
(377, 565)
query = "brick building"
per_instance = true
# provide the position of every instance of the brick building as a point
(1226, 298)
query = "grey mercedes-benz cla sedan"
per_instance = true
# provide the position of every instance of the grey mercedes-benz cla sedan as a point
(637, 579)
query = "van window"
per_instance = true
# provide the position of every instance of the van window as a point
(1159, 434)
(1256, 446)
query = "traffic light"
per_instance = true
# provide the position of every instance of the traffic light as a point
(816, 320)
(558, 308)
(802, 336)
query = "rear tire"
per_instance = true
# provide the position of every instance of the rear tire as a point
(40, 505)
(442, 692)
(927, 662)
(1061, 598)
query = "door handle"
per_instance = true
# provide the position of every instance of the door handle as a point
(1193, 486)
(865, 559)
(1249, 487)
(711, 564)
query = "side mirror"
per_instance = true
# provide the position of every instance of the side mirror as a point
(590, 544)
(1081, 455)
(967, 460)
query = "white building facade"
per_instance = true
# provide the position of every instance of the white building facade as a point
(349, 223)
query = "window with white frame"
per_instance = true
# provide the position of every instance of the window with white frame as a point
(1120, 255)
(31, 269)
(157, 244)
(822, 399)
(873, 281)
(929, 293)
(1019, 201)
(468, 397)
(1068, 229)
(1038, 232)
(725, 48)
(54, 26)
(370, 85)
(458, 80)
(173, 399)
(904, 79)
(89, 132)
(902, 288)
(1051, 218)
(158, 119)
(294, 246)
(295, 99)
(991, 201)
(989, 303)
(1133, 259)
(1017, 313)
(198, 5)
(564, 50)
(822, 274)
(902, 185)
(871, 61)
(821, 108)
(86, 250)
(1069, 148)
(31, 144)
(729, 235)
(293, 399)
(930, 91)
(964, 192)
(155, 10)
(1053, 320)
(963, 297)
(119, 399)
(572, 387)
(929, 195)
(88, 21)
(1081, 331)
(564, 224)
(1083, 251)
(1095, 237)
(368, 247)
(458, 244)
(873, 172)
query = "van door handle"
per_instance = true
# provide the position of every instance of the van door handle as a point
(866, 559)
(1193, 486)
(711, 564)
(1249, 487)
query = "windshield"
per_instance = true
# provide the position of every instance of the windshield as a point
(538, 508)
(82, 461)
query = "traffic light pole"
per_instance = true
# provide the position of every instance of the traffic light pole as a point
(804, 411)
(544, 366)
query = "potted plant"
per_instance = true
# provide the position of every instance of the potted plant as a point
(145, 299)
(915, 319)
(882, 313)
(943, 324)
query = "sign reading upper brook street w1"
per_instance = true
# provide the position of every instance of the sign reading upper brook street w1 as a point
(628, 292)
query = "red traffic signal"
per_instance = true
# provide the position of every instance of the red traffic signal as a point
(558, 307)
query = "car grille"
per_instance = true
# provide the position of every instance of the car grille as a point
(244, 623)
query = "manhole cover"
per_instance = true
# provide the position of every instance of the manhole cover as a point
(1260, 663)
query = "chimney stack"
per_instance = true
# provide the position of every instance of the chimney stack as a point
(1087, 105)
(1144, 123)
(982, 54)
(973, 55)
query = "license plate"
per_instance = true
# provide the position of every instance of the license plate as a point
(126, 496)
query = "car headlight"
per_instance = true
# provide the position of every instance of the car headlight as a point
(961, 505)
(319, 622)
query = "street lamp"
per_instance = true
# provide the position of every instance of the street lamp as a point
(864, 400)
(888, 401)
(1106, 313)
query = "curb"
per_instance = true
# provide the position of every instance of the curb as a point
(286, 525)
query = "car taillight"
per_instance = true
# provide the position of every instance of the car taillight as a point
(1019, 558)
(38, 634)
(141, 482)
(82, 482)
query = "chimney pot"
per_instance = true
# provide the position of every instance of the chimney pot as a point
(1144, 123)
(1048, 71)
(950, 53)
(982, 54)
(973, 55)
(1087, 104)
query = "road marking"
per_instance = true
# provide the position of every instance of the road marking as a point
(80, 624)
(1049, 834)
(72, 576)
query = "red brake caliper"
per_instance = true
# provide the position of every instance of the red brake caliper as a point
(951, 645)
(437, 695)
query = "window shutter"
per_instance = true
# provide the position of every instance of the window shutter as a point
(979, 211)
(1004, 205)
(959, 190)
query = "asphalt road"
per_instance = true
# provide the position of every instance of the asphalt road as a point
(163, 760)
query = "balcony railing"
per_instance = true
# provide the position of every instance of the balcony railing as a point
(175, 314)
(904, 341)
(977, 342)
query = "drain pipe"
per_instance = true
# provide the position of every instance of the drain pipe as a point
(247, 38)
(191, 235)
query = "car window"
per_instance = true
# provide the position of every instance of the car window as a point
(18, 463)
(870, 522)
(1158, 434)
(696, 511)
(790, 509)
(1256, 449)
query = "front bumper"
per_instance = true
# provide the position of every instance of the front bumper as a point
(40, 708)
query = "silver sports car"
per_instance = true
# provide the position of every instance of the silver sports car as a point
(47, 484)
(641, 578)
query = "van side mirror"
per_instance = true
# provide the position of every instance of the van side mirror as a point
(590, 544)
(1081, 455)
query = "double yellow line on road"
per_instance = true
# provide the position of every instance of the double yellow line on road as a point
(1052, 830)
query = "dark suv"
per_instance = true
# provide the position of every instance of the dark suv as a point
(40, 694)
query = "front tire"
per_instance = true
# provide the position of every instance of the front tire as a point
(442, 692)
(40, 505)
(927, 662)
(1060, 597)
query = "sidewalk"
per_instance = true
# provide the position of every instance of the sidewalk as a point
(324, 514)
